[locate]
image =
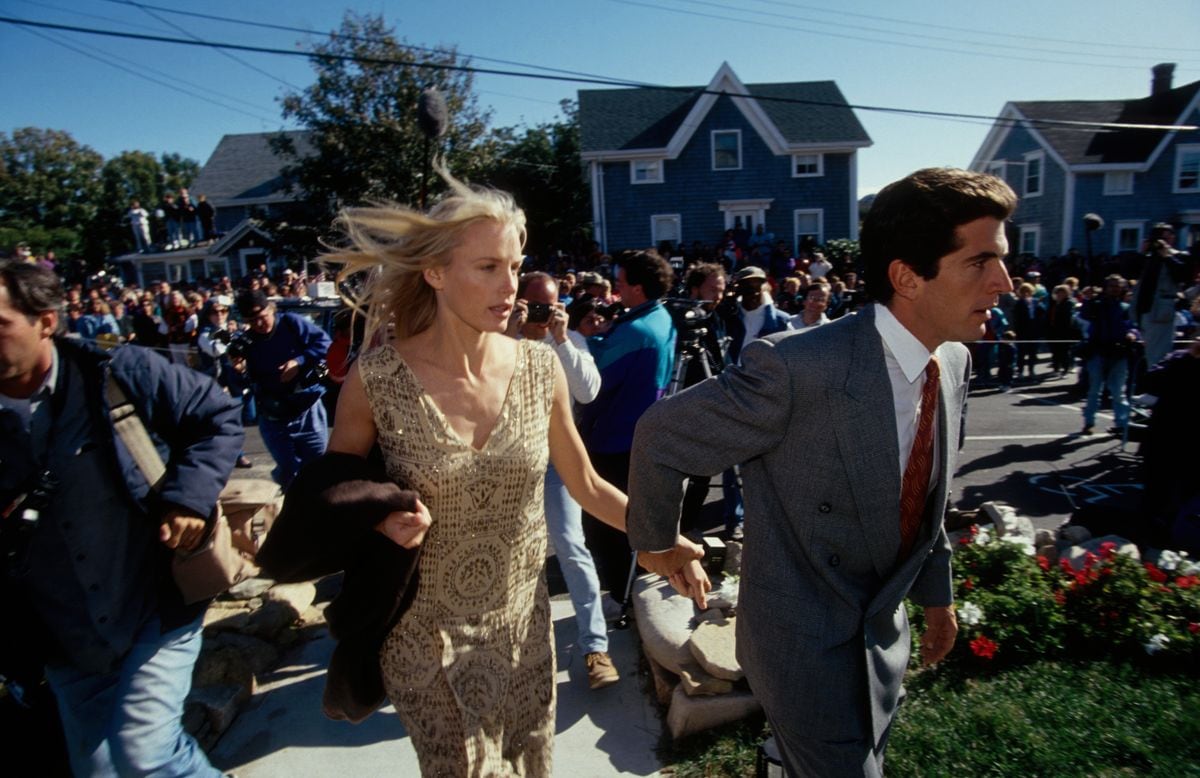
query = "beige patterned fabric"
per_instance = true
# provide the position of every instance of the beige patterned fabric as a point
(470, 666)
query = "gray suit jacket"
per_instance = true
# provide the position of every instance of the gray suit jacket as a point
(822, 633)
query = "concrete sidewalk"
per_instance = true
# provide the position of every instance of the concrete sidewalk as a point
(281, 732)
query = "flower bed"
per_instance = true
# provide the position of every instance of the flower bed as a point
(1015, 606)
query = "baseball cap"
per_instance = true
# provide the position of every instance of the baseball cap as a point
(751, 271)
(251, 302)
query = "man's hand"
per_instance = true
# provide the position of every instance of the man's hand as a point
(681, 566)
(288, 371)
(517, 319)
(181, 530)
(405, 528)
(558, 323)
(941, 627)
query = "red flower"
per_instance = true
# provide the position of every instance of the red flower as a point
(973, 530)
(1156, 575)
(1089, 559)
(1184, 581)
(983, 647)
(965, 540)
(1108, 549)
(968, 584)
(1193, 627)
(1060, 597)
(1065, 564)
(1043, 563)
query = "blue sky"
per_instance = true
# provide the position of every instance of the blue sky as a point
(934, 55)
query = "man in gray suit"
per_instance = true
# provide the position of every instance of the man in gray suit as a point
(871, 407)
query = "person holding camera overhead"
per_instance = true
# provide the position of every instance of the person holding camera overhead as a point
(470, 420)
(283, 357)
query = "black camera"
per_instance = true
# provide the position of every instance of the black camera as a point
(239, 344)
(18, 527)
(610, 311)
(538, 313)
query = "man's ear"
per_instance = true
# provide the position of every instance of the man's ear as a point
(904, 279)
(48, 321)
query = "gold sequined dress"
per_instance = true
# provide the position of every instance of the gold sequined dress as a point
(470, 665)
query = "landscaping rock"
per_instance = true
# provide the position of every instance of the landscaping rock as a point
(689, 715)
(1072, 535)
(664, 621)
(225, 615)
(233, 659)
(1043, 537)
(250, 588)
(1077, 555)
(697, 683)
(1006, 522)
(298, 596)
(220, 705)
(664, 681)
(269, 621)
(714, 647)
(733, 558)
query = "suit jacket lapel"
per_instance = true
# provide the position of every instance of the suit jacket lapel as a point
(865, 426)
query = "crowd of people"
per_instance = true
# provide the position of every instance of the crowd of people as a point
(520, 402)
(177, 222)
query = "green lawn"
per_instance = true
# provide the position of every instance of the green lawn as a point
(1045, 719)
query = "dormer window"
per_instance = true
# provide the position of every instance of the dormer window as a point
(727, 149)
(646, 171)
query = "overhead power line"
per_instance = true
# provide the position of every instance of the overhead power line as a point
(578, 79)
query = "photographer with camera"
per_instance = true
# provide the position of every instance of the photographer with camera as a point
(213, 340)
(1154, 298)
(1111, 336)
(283, 356)
(85, 578)
(538, 315)
(703, 347)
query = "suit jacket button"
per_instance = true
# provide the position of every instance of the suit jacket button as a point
(834, 560)
(824, 507)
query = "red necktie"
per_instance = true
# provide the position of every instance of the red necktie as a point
(920, 464)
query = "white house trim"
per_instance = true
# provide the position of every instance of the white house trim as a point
(758, 206)
(662, 173)
(820, 164)
(727, 81)
(1122, 224)
(597, 202)
(820, 214)
(1175, 168)
(1028, 157)
(1029, 229)
(1194, 105)
(1068, 210)
(712, 151)
(673, 217)
(853, 197)
(995, 138)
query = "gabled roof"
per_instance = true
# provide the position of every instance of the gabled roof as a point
(661, 120)
(1085, 146)
(243, 170)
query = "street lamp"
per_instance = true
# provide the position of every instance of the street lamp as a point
(1091, 223)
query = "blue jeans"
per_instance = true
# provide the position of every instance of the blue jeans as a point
(129, 721)
(564, 521)
(295, 443)
(1111, 372)
(172, 232)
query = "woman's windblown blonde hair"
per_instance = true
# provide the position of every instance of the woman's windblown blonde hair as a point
(390, 247)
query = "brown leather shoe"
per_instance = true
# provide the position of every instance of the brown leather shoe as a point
(601, 672)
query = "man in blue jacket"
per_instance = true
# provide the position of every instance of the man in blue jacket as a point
(283, 354)
(87, 542)
(635, 359)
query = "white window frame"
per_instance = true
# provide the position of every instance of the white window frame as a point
(796, 214)
(1181, 151)
(1030, 229)
(997, 168)
(654, 218)
(713, 142)
(658, 168)
(1118, 182)
(1128, 224)
(820, 166)
(1040, 158)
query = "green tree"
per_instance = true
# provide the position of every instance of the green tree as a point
(541, 167)
(362, 115)
(49, 186)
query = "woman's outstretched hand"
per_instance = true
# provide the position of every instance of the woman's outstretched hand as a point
(406, 528)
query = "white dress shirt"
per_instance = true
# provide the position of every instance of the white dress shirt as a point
(906, 359)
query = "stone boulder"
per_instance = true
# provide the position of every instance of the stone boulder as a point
(298, 596)
(665, 622)
(230, 658)
(1006, 522)
(689, 715)
(1077, 555)
(733, 558)
(714, 647)
(210, 710)
(1072, 535)
(249, 589)
(697, 683)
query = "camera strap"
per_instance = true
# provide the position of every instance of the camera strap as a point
(129, 427)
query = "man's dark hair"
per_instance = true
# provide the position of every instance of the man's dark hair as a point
(537, 275)
(915, 219)
(32, 289)
(579, 309)
(648, 270)
(701, 272)
(251, 302)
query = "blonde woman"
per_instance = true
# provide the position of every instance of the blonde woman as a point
(469, 419)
